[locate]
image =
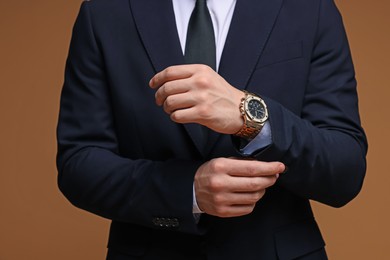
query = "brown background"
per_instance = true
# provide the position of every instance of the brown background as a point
(36, 222)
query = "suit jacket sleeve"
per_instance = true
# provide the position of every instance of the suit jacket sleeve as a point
(91, 173)
(324, 147)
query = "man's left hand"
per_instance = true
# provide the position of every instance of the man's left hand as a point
(197, 94)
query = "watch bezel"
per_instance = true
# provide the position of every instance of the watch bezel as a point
(248, 113)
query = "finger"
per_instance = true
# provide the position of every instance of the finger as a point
(251, 184)
(239, 198)
(178, 101)
(246, 168)
(171, 73)
(232, 211)
(184, 116)
(253, 168)
(171, 88)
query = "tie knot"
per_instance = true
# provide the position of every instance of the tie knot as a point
(201, 3)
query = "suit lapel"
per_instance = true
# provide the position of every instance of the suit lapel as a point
(249, 31)
(155, 20)
(250, 28)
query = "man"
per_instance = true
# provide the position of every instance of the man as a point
(190, 163)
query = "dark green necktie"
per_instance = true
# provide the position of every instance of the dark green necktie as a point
(200, 43)
(200, 47)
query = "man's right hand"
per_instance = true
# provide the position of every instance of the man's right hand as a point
(227, 187)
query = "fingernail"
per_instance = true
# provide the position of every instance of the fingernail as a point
(277, 176)
(281, 166)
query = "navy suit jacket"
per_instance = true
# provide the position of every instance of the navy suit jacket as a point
(121, 157)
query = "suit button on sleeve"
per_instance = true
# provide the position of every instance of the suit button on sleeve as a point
(165, 222)
(156, 221)
(175, 223)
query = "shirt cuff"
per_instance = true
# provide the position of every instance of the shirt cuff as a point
(195, 207)
(262, 140)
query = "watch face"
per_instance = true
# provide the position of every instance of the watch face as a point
(256, 109)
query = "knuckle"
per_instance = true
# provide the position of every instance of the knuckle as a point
(168, 72)
(251, 208)
(215, 184)
(204, 67)
(157, 96)
(167, 87)
(248, 209)
(203, 96)
(176, 117)
(217, 165)
(251, 171)
(204, 111)
(169, 102)
(218, 199)
(259, 195)
(161, 92)
(254, 185)
(254, 197)
(202, 82)
(270, 181)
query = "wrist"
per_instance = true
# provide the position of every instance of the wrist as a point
(238, 119)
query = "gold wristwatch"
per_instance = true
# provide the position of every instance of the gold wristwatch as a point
(254, 111)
